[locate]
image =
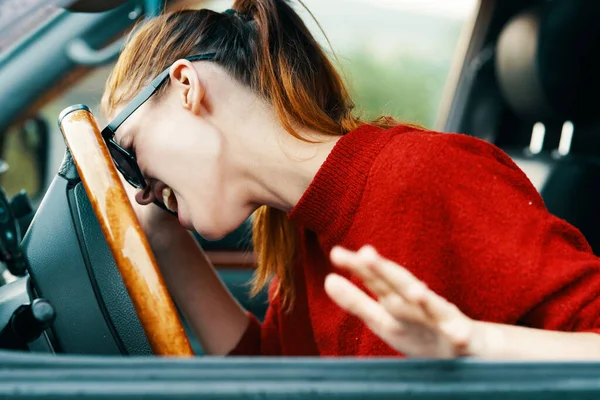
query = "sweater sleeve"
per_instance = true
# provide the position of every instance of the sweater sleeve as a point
(477, 232)
(261, 338)
(569, 276)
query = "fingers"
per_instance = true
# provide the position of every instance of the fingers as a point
(397, 277)
(357, 264)
(405, 309)
(358, 303)
(411, 288)
(399, 291)
(366, 264)
(402, 310)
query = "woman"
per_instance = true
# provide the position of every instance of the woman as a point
(379, 238)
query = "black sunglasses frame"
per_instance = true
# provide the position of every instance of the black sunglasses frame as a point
(138, 180)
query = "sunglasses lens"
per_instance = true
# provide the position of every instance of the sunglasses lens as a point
(124, 165)
(127, 166)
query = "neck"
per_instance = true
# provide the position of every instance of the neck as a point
(275, 167)
(286, 174)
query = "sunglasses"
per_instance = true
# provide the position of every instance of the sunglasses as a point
(125, 160)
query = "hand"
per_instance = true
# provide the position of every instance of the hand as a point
(157, 224)
(407, 315)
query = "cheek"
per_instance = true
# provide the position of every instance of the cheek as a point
(203, 200)
(151, 157)
(193, 154)
(199, 190)
(193, 174)
(161, 153)
(190, 161)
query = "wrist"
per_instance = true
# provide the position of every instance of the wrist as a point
(488, 340)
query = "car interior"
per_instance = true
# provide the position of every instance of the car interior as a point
(526, 81)
(532, 94)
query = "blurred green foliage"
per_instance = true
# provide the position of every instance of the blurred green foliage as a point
(406, 87)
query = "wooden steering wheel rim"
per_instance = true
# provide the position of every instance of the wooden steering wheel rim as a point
(123, 233)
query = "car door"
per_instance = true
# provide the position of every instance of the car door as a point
(65, 377)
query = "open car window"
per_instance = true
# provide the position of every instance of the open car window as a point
(398, 55)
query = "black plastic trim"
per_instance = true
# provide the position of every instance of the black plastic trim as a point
(56, 266)
(68, 169)
(73, 206)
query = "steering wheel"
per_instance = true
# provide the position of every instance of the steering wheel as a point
(121, 228)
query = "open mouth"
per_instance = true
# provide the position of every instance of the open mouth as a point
(169, 199)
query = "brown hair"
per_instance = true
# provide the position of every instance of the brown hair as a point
(265, 45)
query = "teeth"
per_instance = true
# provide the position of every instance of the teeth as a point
(167, 193)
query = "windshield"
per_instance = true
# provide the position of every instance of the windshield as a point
(20, 18)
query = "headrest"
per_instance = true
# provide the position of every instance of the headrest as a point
(548, 61)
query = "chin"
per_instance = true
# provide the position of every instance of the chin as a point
(211, 236)
(213, 233)
(212, 227)
(185, 223)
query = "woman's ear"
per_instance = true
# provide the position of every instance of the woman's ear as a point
(187, 81)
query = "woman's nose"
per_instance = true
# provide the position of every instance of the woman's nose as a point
(145, 196)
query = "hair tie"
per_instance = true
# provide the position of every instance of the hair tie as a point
(234, 13)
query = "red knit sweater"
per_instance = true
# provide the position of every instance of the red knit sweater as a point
(454, 210)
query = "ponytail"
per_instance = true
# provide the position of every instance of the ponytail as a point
(294, 73)
(274, 237)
